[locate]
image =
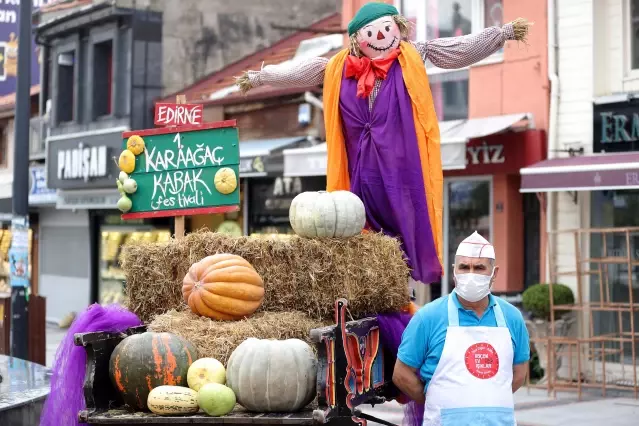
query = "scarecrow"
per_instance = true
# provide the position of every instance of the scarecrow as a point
(382, 133)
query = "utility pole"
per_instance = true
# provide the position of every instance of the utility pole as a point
(19, 252)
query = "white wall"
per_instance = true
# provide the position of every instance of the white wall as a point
(64, 293)
(575, 37)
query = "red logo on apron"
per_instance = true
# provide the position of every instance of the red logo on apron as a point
(482, 361)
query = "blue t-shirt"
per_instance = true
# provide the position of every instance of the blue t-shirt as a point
(423, 340)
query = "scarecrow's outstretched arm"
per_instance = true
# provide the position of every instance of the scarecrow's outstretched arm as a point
(304, 73)
(460, 52)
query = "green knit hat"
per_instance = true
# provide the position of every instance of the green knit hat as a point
(368, 13)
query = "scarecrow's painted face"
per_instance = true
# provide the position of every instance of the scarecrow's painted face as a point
(379, 38)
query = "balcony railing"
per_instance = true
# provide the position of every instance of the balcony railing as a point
(39, 129)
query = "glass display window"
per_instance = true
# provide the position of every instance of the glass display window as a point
(114, 235)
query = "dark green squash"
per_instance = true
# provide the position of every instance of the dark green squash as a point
(145, 361)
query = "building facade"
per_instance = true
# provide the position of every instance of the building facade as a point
(492, 118)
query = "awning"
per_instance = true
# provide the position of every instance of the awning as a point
(454, 135)
(595, 172)
(309, 161)
(259, 158)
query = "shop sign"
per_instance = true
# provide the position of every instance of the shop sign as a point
(38, 191)
(485, 154)
(502, 154)
(87, 200)
(616, 127)
(176, 172)
(251, 165)
(83, 161)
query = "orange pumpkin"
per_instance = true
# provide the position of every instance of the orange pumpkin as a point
(223, 287)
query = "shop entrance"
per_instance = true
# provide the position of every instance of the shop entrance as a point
(467, 208)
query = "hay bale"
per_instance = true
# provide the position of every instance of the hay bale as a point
(301, 274)
(218, 339)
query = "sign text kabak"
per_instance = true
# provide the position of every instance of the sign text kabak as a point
(178, 173)
(178, 114)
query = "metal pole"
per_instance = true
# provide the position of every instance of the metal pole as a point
(19, 252)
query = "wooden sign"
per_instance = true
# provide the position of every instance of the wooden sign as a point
(183, 171)
(177, 114)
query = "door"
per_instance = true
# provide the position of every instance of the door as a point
(467, 208)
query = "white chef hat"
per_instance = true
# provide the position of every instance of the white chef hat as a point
(476, 246)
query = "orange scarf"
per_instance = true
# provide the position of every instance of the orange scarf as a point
(426, 129)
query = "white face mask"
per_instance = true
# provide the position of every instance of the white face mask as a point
(473, 287)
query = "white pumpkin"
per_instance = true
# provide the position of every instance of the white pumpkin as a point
(338, 214)
(272, 375)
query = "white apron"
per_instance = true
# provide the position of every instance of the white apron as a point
(472, 384)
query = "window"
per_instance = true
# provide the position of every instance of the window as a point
(450, 18)
(66, 76)
(102, 78)
(633, 18)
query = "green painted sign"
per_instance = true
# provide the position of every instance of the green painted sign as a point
(176, 172)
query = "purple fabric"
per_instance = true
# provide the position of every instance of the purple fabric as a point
(66, 398)
(386, 171)
(391, 328)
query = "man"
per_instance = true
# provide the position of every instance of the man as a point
(465, 354)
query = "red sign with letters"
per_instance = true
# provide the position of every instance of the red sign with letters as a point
(178, 114)
(503, 154)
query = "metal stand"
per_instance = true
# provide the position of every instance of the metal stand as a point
(597, 359)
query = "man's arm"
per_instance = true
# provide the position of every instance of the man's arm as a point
(304, 73)
(519, 375)
(461, 52)
(407, 381)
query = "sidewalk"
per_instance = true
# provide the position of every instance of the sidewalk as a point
(533, 407)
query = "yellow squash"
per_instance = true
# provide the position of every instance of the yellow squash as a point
(225, 180)
(127, 161)
(135, 144)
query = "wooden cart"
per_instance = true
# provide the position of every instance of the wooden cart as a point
(353, 370)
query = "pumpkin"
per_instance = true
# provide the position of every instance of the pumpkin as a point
(225, 180)
(171, 400)
(223, 287)
(327, 214)
(142, 362)
(135, 144)
(272, 375)
(127, 161)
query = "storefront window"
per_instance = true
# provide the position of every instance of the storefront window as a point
(115, 234)
(615, 209)
(468, 210)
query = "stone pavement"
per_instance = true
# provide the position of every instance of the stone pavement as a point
(54, 337)
(533, 407)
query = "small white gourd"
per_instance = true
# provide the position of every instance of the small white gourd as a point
(272, 375)
(338, 214)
